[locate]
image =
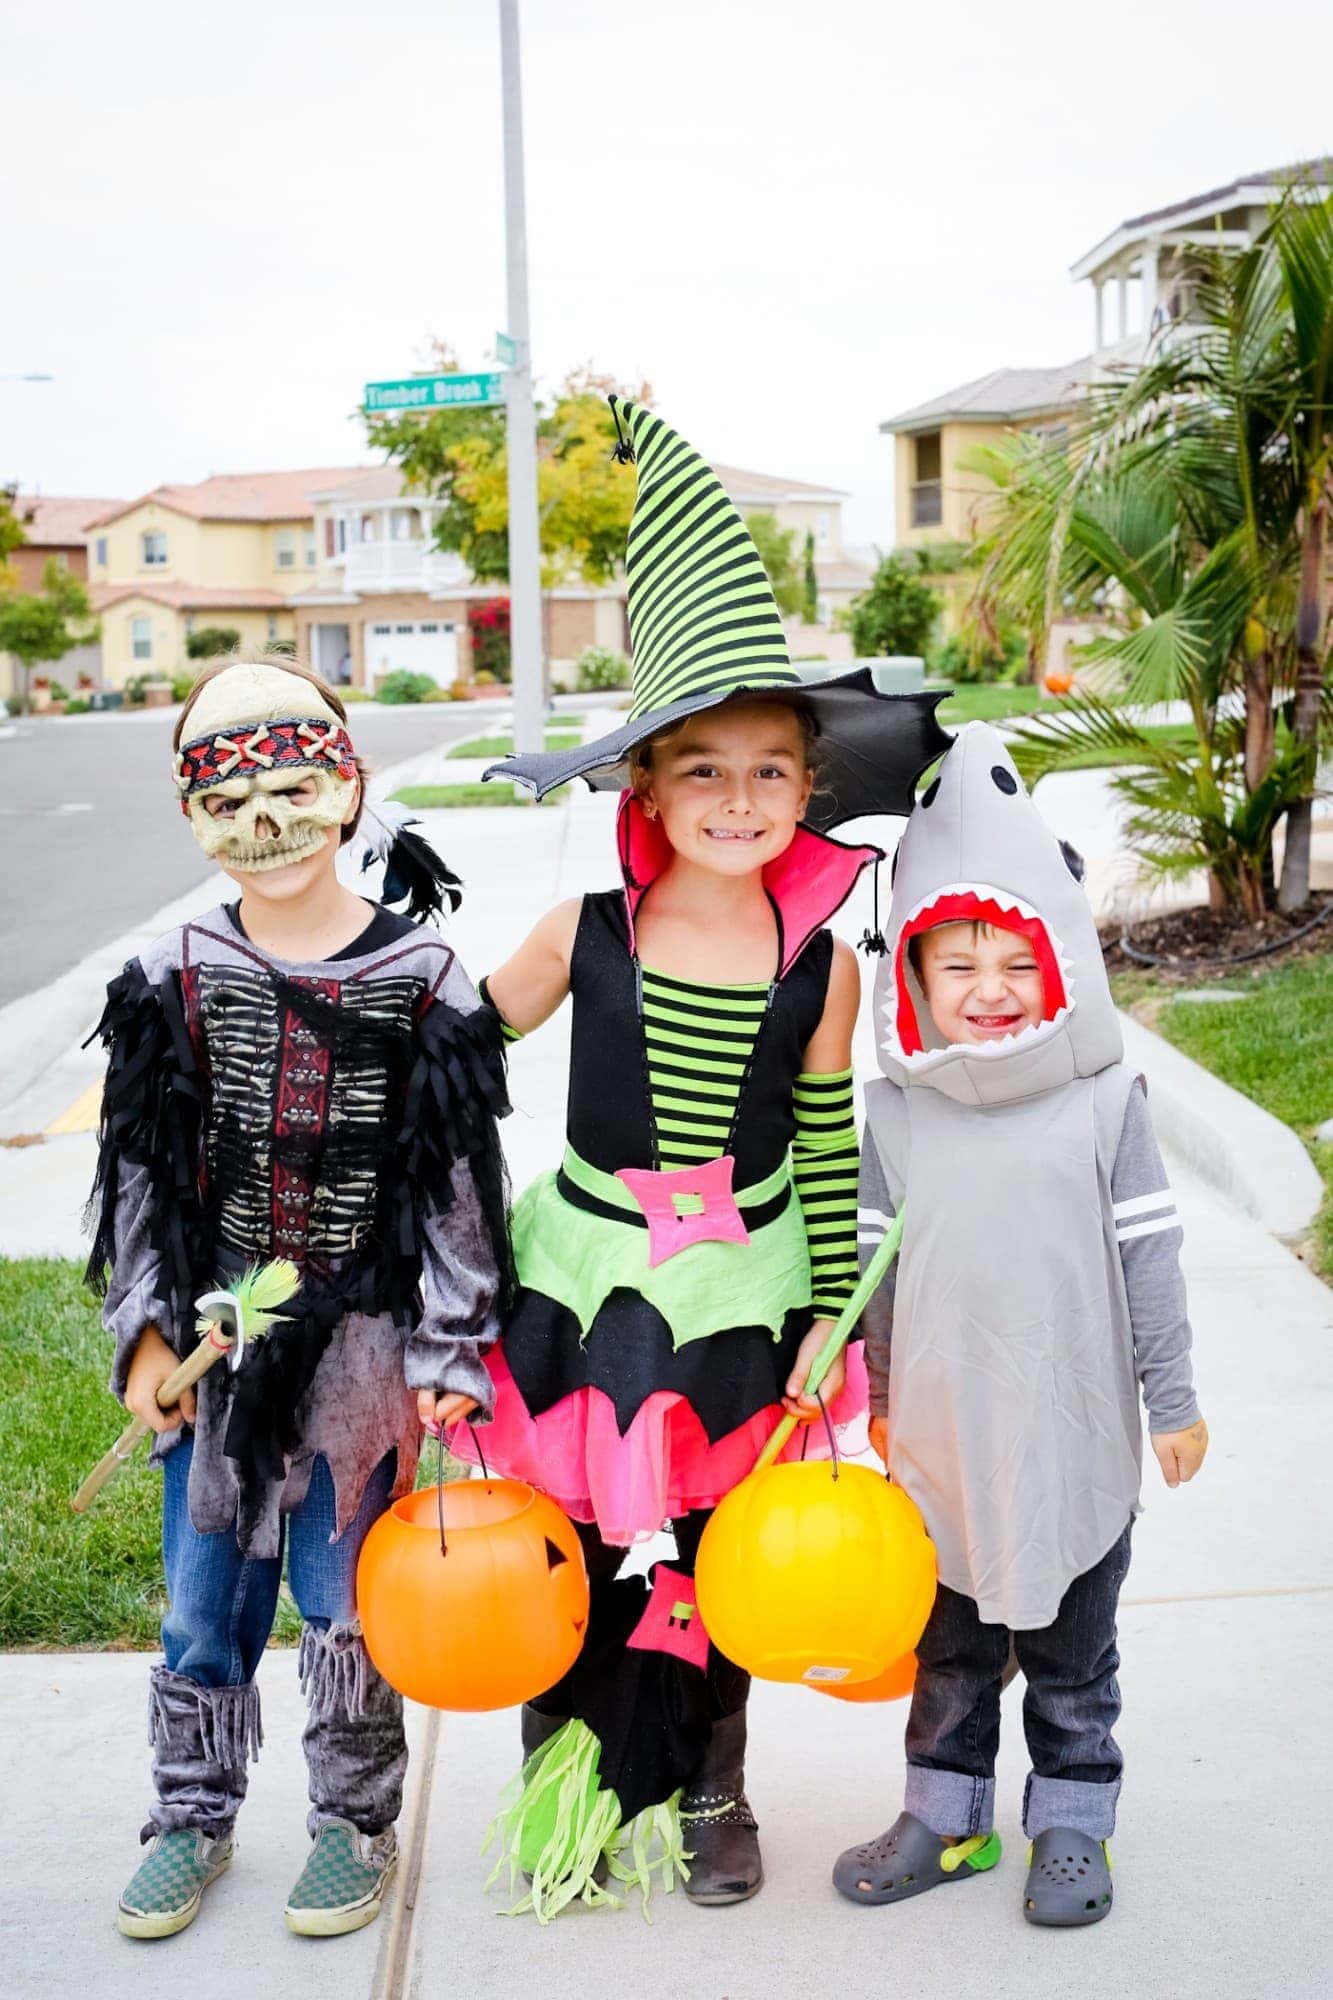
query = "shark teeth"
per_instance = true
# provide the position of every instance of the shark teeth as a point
(985, 892)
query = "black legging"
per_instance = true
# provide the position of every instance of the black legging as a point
(728, 1685)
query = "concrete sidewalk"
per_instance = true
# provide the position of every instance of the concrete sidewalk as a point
(1227, 1627)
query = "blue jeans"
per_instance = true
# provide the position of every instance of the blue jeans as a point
(223, 1603)
(1070, 1706)
(204, 1710)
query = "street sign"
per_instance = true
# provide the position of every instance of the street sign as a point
(506, 350)
(436, 392)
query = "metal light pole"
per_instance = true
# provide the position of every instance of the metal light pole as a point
(525, 600)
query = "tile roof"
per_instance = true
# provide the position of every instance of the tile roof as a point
(369, 482)
(53, 522)
(1005, 392)
(1319, 171)
(743, 485)
(242, 496)
(188, 596)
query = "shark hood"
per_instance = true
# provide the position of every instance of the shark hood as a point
(976, 849)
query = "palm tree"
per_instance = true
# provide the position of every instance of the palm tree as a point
(1178, 513)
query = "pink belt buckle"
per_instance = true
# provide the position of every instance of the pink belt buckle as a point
(688, 1205)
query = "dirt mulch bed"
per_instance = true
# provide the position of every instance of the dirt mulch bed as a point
(1200, 944)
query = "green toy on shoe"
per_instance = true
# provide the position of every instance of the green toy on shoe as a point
(342, 1885)
(908, 1859)
(164, 1893)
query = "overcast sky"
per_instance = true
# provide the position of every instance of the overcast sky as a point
(793, 219)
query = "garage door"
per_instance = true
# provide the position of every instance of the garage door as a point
(422, 648)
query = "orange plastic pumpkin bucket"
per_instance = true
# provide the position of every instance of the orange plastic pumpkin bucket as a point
(495, 1620)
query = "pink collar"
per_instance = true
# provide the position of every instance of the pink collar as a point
(807, 883)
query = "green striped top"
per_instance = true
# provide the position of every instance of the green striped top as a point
(699, 1040)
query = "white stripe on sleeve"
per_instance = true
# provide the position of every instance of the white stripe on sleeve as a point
(1159, 1222)
(873, 1218)
(1139, 1204)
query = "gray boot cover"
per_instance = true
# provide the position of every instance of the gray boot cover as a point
(907, 1860)
(202, 1738)
(720, 1832)
(355, 1749)
(1069, 1879)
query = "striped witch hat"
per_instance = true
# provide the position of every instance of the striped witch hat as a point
(705, 628)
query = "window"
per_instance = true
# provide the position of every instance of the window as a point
(310, 548)
(330, 538)
(382, 631)
(272, 626)
(822, 531)
(430, 628)
(189, 623)
(342, 534)
(284, 543)
(101, 551)
(60, 559)
(406, 628)
(141, 638)
(154, 545)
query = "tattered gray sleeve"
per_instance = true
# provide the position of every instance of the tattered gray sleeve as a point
(135, 1295)
(459, 1291)
(874, 1214)
(1149, 1237)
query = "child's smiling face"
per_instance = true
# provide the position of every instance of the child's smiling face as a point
(731, 785)
(980, 983)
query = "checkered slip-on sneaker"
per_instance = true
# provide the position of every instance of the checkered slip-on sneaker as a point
(164, 1893)
(342, 1884)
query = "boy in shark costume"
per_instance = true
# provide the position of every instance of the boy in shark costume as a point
(1037, 1289)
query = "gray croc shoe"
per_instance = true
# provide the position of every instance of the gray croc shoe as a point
(909, 1859)
(1069, 1879)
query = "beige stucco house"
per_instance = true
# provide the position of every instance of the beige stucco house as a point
(56, 527)
(229, 550)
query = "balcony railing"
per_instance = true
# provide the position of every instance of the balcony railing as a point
(927, 504)
(407, 565)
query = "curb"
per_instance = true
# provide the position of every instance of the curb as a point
(1250, 1157)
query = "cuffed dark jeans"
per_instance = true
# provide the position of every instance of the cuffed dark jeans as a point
(1071, 1705)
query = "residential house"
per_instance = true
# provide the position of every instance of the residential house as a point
(840, 572)
(385, 597)
(56, 529)
(1146, 267)
(229, 550)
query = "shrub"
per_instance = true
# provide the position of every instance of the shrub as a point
(601, 667)
(957, 660)
(59, 692)
(210, 641)
(346, 694)
(181, 685)
(488, 626)
(484, 679)
(457, 690)
(78, 704)
(896, 614)
(13, 704)
(403, 686)
(134, 689)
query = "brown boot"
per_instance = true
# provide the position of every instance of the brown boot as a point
(721, 1833)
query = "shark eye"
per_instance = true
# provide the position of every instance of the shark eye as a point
(555, 1555)
(1004, 781)
(928, 796)
(1074, 861)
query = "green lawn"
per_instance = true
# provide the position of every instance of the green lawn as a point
(1274, 1044)
(992, 701)
(437, 798)
(67, 1580)
(502, 746)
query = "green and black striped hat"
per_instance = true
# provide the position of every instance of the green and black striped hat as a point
(705, 629)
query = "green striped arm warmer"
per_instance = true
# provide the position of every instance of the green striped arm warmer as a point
(825, 1158)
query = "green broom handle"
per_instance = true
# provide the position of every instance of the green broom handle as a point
(841, 1331)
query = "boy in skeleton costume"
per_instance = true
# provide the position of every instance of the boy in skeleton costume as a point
(302, 1075)
(1037, 1290)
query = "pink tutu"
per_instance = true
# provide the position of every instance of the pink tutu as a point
(663, 1467)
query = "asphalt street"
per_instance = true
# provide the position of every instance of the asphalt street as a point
(91, 835)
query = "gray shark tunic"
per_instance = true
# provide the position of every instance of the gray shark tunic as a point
(1013, 1369)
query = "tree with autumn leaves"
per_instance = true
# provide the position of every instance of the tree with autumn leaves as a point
(584, 500)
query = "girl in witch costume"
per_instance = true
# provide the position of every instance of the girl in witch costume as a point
(302, 1075)
(678, 1272)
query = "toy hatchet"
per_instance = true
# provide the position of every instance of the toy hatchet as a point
(240, 1312)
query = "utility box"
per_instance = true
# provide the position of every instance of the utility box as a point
(898, 673)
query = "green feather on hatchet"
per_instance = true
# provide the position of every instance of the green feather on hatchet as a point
(228, 1319)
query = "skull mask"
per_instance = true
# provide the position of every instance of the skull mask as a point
(277, 817)
(266, 769)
